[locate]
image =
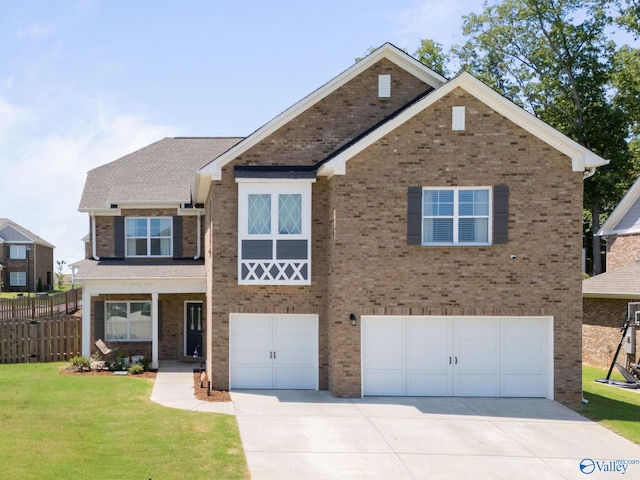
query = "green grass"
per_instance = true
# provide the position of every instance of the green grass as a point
(616, 408)
(57, 426)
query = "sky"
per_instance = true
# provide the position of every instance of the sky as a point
(85, 82)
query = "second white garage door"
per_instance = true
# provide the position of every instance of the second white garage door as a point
(273, 351)
(457, 356)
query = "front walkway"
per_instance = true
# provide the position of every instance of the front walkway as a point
(174, 388)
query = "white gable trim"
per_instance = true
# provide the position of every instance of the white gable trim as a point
(581, 158)
(619, 213)
(388, 51)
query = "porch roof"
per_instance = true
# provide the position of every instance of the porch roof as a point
(139, 270)
(623, 282)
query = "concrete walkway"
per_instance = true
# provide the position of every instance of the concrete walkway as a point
(173, 388)
(293, 434)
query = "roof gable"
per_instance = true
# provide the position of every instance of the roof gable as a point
(581, 158)
(214, 169)
(625, 218)
(12, 232)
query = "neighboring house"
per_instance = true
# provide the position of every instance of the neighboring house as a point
(393, 233)
(25, 258)
(606, 296)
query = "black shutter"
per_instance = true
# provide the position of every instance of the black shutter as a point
(118, 237)
(414, 216)
(500, 214)
(177, 237)
(98, 317)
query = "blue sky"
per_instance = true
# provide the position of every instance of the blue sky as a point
(84, 82)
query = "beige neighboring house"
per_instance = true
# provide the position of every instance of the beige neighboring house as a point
(392, 233)
(25, 258)
(606, 296)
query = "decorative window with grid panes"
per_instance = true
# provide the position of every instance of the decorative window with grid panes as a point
(274, 222)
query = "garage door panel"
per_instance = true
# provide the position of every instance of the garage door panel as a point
(490, 356)
(383, 354)
(428, 356)
(273, 351)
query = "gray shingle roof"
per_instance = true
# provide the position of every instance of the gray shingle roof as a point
(623, 282)
(163, 172)
(119, 269)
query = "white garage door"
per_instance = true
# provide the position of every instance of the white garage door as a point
(273, 351)
(457, 356)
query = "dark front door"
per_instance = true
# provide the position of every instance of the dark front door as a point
(194, 329)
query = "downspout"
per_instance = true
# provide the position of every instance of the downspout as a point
(35, 262)
(198, 246)
(93, 237)
(588, 172)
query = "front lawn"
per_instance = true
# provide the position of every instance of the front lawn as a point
(57, 426)
(616, 408)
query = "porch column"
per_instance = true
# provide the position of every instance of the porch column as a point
(86, 322)
(154, 330)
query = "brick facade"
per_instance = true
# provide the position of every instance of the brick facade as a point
(623, 249)
(38, 256)
(361, 262)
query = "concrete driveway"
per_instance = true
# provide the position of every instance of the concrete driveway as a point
(312, 435)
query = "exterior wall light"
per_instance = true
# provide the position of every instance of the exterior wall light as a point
(352, 318)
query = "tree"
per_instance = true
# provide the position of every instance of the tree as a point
(432, 54)
(553, 58)
(59, 274)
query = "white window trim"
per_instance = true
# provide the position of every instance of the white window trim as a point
(274, 188)
(22, 248)
(456, 217)
(148, 255)
(17, 279)
(128, 303)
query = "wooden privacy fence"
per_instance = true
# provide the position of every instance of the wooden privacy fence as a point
(41, 306)
(53, 339)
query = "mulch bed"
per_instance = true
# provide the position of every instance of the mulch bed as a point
(199, 392)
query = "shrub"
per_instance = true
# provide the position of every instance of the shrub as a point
(80, 363)
(119, 364)
(144, 361)
(136, 369)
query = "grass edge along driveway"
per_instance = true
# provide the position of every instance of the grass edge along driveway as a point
(616, 408)
(59, 426)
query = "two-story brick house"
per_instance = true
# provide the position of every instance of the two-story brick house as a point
(393, 233)
(25, 259)
(606, 297)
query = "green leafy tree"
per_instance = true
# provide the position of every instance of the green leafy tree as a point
(59, 273)
(555, 59)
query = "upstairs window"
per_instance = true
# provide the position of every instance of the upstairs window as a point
(149, 237)
(274, 233)
(455, 216)
(18, 252)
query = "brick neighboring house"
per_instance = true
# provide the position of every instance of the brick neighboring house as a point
(393, 233)
(606, 296)
(25, 258)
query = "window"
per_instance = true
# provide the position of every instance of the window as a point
(128, 321)
(18, 252)
(274, 233)
(149, 237)
(18, 279)
(456, 216)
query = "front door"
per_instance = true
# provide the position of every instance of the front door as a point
(194, 329)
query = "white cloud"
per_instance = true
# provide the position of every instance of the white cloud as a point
(43, 177)
(11, 116)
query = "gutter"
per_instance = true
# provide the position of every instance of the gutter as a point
(588, 172)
